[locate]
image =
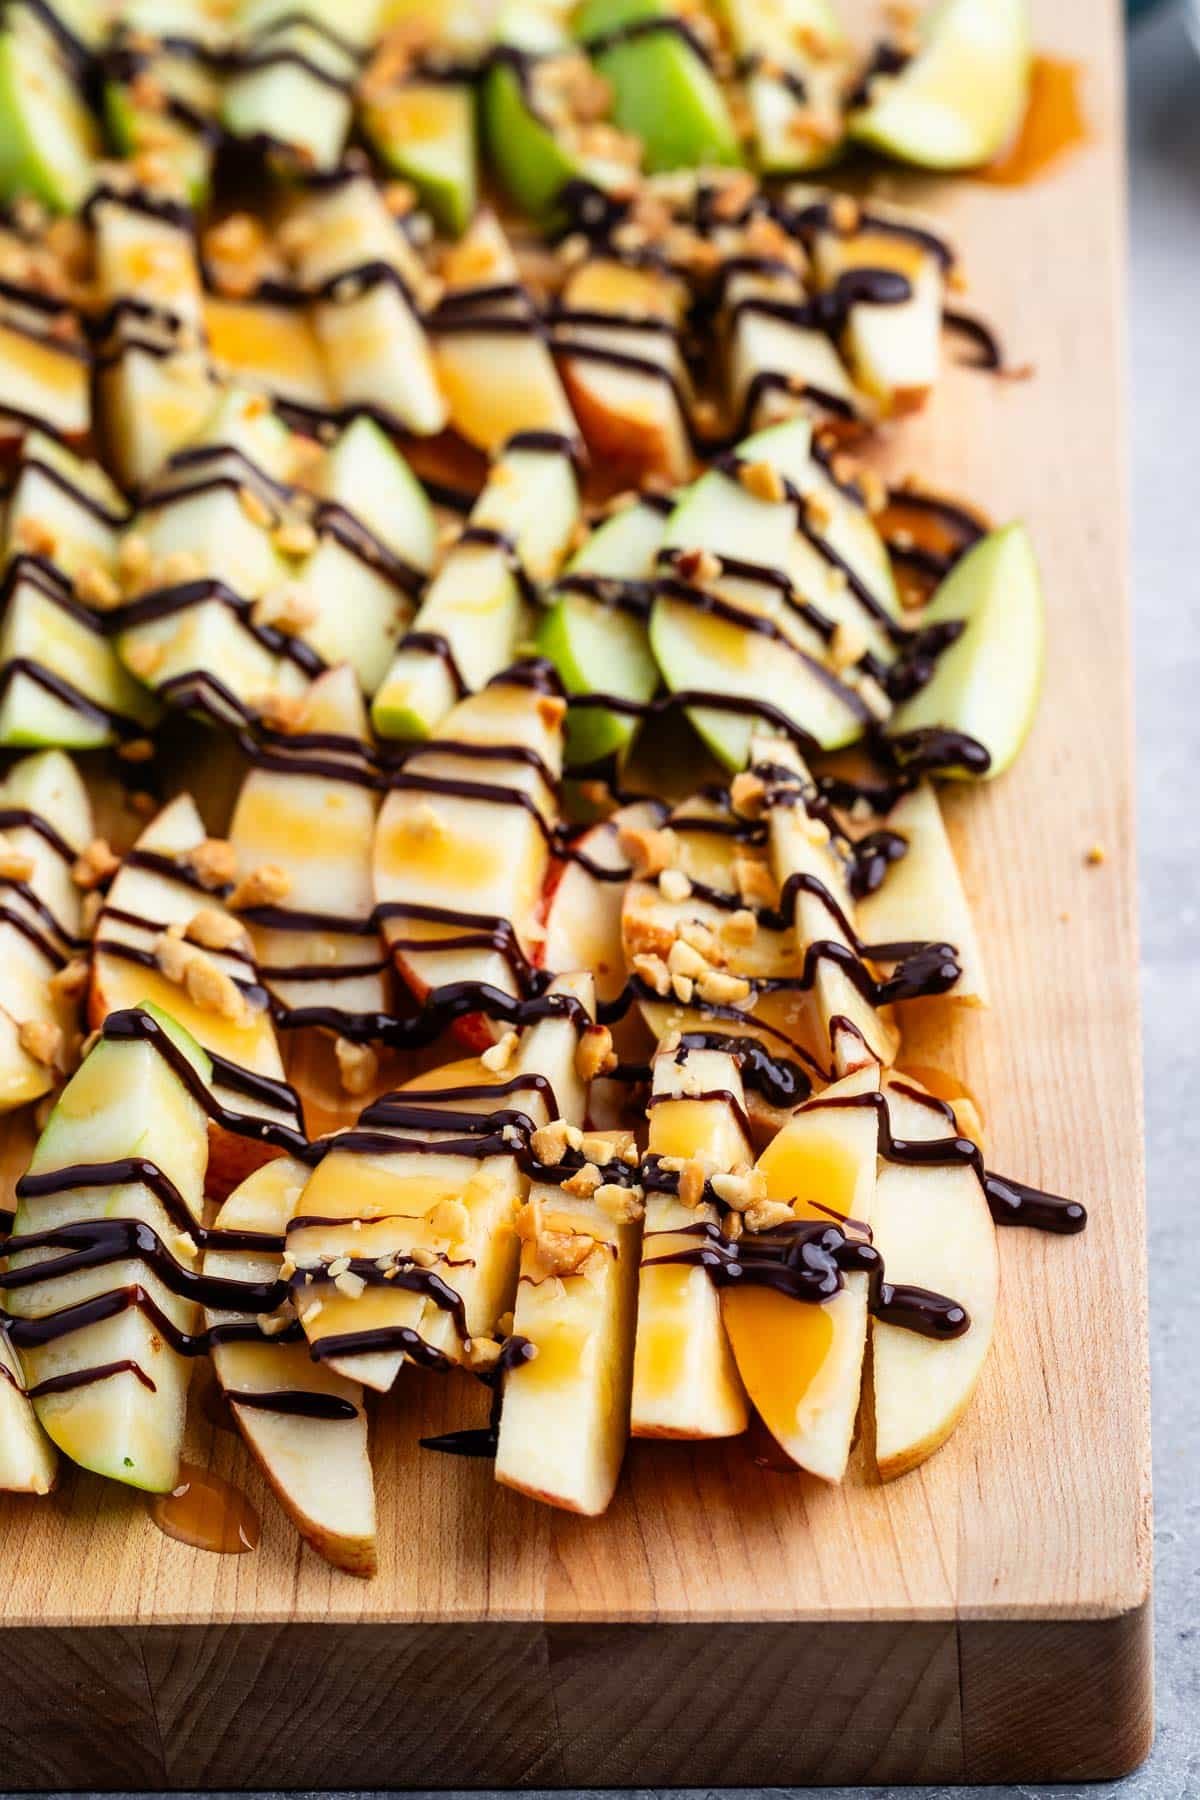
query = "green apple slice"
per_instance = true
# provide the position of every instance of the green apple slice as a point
(124, 1101)
(47, 904)
(797, 57)
(987, 683)
(183, 138)
(963, 95)
(476, 602)
(685, 1380)
(50, 141)
(425, 132)
(600, 647)
(89, 699)
(319, 1467)
(277, 99)
(776, 365)
(43, 378)
(664, 92)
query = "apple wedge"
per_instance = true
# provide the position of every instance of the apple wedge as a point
(312, 816)
(171, 876)
(617, 342)
(795, 60)
(269, 345)
(565, 1418)
(962, 96)
(305, 1425)
(50, 140)
(28, 1460)
(477, 606)
(183, 131)
(583, 918)
(494, 368)
(685, 1380)
(778, 360)
(45, 378)
(802, 1362)
(733, 623)
(664, 90)
(99, 1339)
(933, 1228)
(292, 87)
(462, 846)
(814, 880)
(922, 895)
(45, 822)
(368, 286)
(593, 629)
(423, 129)
(443, 1218)
(891, 344)
(986, 684)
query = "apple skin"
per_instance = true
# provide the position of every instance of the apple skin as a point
(532, 165)
(987, 683)
(962, 97)
(30, 68)
(440, 162)
(663, 93)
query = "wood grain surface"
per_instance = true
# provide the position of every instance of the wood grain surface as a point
(986, 1617)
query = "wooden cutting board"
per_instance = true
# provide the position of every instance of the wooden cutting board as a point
(985, 1618)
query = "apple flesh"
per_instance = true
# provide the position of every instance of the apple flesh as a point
(798, 64)
(663, 91)
(987, 683)
(47, 785)
(41, 378)
(28, 1460)
(124, 1101)
(319, 1468)
(802, 1363)
(787, 364)
(933, 1228)
(425, 132)
(685, 1380)
(922, 895)
(283, 102)
(961, 98)
(476, 601)
(470, 853)
(501, 380)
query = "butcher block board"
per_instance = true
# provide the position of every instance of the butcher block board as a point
(984, 1619)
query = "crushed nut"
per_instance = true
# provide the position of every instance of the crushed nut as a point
(741, 927)
(1096, 855)
(699, 566)
(594, 1053)
(96, 588)
(15, 865)
(674, 885)
(649, 851)
(845, 214)
(213, 862)
(654, 972)
(748, 794)
(721, 989)
(549, 1143)
(213, 929)
(349, 1285)
(144, 659)
(212, 989)
(682, 959)
(294, 537)
(358, 1065)
(449, 1219)
(42, 1040)
(765, 1215)
(754, 881)
(584, 1182)
(96, 865)
(763, 480)
(35, 536)
(740, 1190)
(498, 1055)
(846, 646)
(285, 608)
(137, 750)
(71, 981)
(265, 886)
(282, 713)
(683, 987)
(692, 1179)
(621, 1204)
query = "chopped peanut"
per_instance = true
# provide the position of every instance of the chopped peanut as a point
(214, 861)
(265, 886)
(594, 1054)
(95, 866)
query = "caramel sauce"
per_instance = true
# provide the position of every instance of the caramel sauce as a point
(1054, 124)
(207, 1512)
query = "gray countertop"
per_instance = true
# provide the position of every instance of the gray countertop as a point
(1164, 125)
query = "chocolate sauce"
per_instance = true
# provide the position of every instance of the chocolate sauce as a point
(989, 354)
(485, 1441)
(297, 1403)
(782, 1081)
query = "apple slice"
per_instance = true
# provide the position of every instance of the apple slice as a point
(795, 59)
(892, 345)
(738, 631)
(46, 820)
(462, 846)
(594, 629)
(565, 1418)
(312, 1445)
(617, 342)
(109, 1385)
(294, 86)
(583, 919)
(160, 884)
(476, 608)
(961, 98)
(922, 895)
(45, 380)
(313, 817)
(28, 1460)
(664, 88)
(986, 684)
(808, 868)
(778, 362)
(377, 541)
(493, 366)
(449, 1212)
(368, 286)
(50, 140)
(424, 130)
(685, 1380)
(933, 1228)
(183, 131)
(802, 1362)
